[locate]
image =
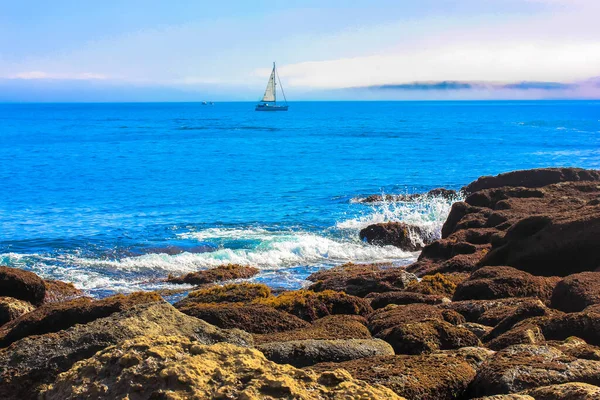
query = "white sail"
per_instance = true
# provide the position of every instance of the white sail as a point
(270, 91)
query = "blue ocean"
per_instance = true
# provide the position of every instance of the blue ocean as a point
(115, 197)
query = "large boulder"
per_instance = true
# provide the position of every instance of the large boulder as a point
(302, 353)
(380, 300)
(231, 293)
(54, 317)
(361, 279)
(22, 285)
(310, 305)
(11, 308)
(504, 282)
(327, 328)
(488, 312)
(29, 363)
(576, 292)
(217, 274)
(522, 367)
(439, 376)
(391, 316)
(176, 367)
(399, 234)
(253, 318)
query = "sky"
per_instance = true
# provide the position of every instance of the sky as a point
(194, 50)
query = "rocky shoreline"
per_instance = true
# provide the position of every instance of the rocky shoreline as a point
(506, 305)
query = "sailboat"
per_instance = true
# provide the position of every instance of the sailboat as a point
(269, 100)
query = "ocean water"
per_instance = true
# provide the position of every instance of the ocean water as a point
(114, 197)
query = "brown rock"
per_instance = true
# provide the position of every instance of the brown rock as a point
(361, 279)
(440, 376)
(502, 282)
(232, 293)
(391, 316)
(22, 285)
(326, 328)
(217, 274)
(54, 317)
(253, 318)
(310, 305)
(11, 308)
(488, 312)
(399, 234)
(380, 300)
(521, 367)
(576, 292)
(60, 291)
(566, 391)
(437, 284)
(477, 329)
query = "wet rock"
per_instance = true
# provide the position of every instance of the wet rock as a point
(427, 336)
(399, 234)
(533, 178)
(310, 305)
(217, 274)
(488, 312)
(11, 308)
(232, 293)
(253, 318)
(34, 361)
(54, 317)
(440, 376)
(302, 353)
(522, 367)
(57, 291)
(504, 282)
(22, 285)
(326, 328)
(391, 316)
(380, 300)
(147, 368)
(447, 194)
(361, 279)
(576, 292)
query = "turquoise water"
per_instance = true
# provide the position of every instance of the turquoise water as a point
(114, 197)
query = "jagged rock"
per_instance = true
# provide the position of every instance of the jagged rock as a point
(175, 367)
(566, 391)
(503, 282)
(11, 308)
(310, 305)
(253, 318)
(488, 312)
(217, 274)
(22, 285)
(523, 312)
(576, 347)
(526, 334)
(399, 234)
(576, 292)
(29, 363)
(326, 328)
(380, 300)
(232, 293)
(440, 376)
(54, 317)
(57, 291)
(522, 367)
(302, 353)
(361, 279)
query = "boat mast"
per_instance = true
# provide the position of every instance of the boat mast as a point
(274, 85)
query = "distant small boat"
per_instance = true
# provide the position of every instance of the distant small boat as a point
(204, 103)
(269, 100)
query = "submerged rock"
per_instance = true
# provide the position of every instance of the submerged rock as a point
(22, 285)
(302, 353)
(27, 364)
(399, 234)
(361, 279)
(253, 318)
(176, 367)
(217, 274)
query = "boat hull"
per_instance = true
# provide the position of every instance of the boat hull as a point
(269, 107)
